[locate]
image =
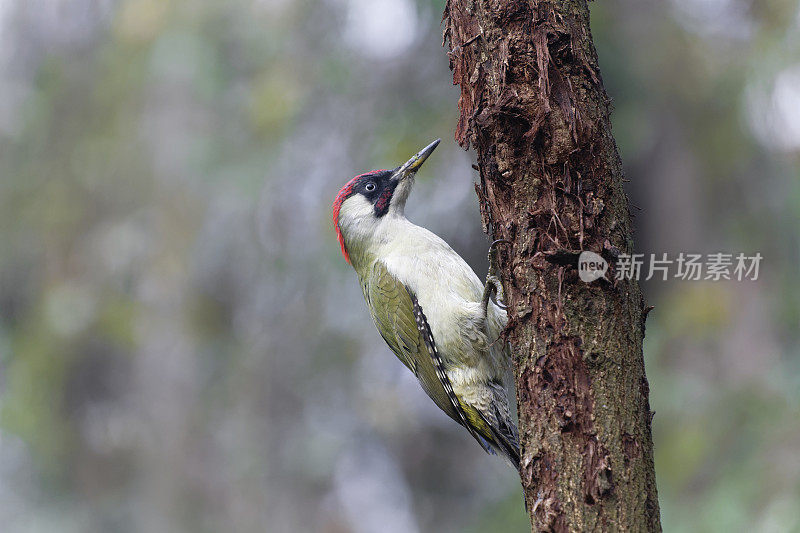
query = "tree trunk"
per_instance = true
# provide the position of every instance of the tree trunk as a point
(534, 107)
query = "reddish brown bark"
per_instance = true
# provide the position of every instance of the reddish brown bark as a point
(534, 108)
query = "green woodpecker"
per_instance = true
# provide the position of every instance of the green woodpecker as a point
(428, 305)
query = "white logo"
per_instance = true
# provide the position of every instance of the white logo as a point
(591, 266)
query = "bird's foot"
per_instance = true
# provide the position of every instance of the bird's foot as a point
(494, 286)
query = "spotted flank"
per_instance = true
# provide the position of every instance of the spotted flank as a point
(488, 436)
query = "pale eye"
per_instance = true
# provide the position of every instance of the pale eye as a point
(370, 187)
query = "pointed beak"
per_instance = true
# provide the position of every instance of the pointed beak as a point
(410, 167)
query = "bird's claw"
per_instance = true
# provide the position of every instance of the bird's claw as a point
(496, 242)
(495, 287)
(493, 282)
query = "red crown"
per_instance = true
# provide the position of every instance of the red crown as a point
(344, 194)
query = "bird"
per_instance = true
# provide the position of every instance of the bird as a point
(429, 305)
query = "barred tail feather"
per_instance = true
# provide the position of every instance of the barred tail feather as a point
(494, 431)
(504, 440)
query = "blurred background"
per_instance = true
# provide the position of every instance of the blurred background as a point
(183, 348)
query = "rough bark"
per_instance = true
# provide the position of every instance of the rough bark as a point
(533, 106)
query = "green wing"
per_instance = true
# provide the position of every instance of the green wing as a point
(402, 323)
(403, 326)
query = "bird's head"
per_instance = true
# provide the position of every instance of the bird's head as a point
(369, 199)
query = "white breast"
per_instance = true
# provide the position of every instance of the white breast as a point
(448, 291)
